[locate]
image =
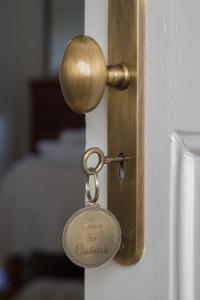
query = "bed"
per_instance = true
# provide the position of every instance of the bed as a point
(37, 196)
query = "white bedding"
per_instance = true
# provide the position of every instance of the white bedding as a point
(48, 289)
(36, 199)
(67, 149)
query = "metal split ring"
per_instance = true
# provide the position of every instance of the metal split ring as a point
(92, 200)
(99, 166)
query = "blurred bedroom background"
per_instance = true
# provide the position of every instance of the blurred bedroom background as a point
(41, 142)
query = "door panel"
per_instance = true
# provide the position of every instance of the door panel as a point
(171, 103)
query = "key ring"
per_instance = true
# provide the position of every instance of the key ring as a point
(87, 154)
(102, 160)
(92, 200)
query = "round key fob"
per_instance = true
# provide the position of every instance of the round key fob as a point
(91, 237)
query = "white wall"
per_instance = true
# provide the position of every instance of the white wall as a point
(21, 58)
(67, 21)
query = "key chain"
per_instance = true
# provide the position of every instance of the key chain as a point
(92, 236)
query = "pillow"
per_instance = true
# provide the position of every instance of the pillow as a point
(68, 148)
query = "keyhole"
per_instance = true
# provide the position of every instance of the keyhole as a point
(121, 167)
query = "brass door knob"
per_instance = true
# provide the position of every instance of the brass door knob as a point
(84, 74)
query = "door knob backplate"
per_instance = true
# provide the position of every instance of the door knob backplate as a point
(126, 39)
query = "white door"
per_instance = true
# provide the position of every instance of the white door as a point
(170, 267)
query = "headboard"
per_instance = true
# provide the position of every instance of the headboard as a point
(49, 112)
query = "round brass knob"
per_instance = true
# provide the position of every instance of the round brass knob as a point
(84, 75)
